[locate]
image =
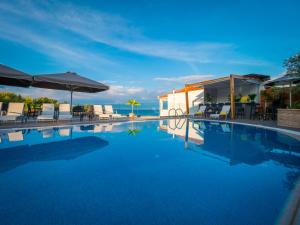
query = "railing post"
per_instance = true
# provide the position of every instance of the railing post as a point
(187, 101)
(232, 97)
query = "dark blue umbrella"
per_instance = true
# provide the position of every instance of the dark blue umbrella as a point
(68, 81)
(288, 79)
(12, 77)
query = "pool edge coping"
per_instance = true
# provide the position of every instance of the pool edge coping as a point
(282, 130)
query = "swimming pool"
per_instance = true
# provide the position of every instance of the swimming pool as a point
(156, 172)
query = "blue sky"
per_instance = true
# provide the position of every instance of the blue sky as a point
(144, 48)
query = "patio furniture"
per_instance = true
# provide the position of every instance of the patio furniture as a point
(47, 112)
(210, 109)
(201, 111)
(108, 109)
(257, 112)
(14, 111)
(239, 110)
(64, 112)
(224, 112)
(79, 111)
(219, 106)
(90, 112)
(98, 111)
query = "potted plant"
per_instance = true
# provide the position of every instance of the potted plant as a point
(133, 103)
(252, 97)
(237, 98)
(207, 98)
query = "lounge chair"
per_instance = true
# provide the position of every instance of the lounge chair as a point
(98, 111)
(201, 111)
(64, 112)
(224, 112)
(109, 111)
(14, 111)
(47, 112)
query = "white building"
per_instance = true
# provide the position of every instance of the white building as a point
(175, 102)
(221, 90)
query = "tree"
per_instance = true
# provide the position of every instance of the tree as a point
(133, 103)
(292, 64)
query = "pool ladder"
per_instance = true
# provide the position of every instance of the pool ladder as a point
(176, 114)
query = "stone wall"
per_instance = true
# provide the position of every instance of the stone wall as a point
(288, 118)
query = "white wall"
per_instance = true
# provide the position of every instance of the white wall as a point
(163, 112)
(195, 98)
(177, 101)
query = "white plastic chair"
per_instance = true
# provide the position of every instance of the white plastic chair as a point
(98, 111)
(201, 111)
(224, 112)
(64, 112)
(14, 111)
(109, 111)
(47, 112)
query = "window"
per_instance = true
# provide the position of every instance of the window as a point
(165, 105)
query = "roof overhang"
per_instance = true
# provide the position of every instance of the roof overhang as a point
(185, 89)
(224, 82)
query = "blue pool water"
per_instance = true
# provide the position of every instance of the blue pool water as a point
(159, 172)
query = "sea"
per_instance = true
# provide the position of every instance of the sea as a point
(143, 110)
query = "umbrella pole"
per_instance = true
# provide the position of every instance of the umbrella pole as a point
(290, 95)
(71, 100)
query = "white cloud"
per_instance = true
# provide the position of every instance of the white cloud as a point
(111, 30)
(185, 79)
(120, 90)
(64, 48)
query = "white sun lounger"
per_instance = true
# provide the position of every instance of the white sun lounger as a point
(98, 111)
(64, 112)
(14, 111)
(47, 112)
(109, 111)
(201, 111)
(224, 112)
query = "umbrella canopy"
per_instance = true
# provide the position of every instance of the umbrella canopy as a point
(68, 81)
(287, 79)
(13, 77)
